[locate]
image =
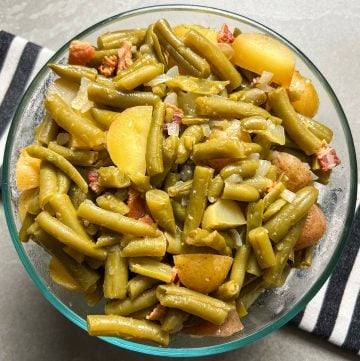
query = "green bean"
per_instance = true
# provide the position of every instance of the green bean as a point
(63, 182)
(103, 117)
(73, 122)
(198, 304)
(76, 157)
(66, 213)
(254, 215)
(26, 223)
(154, 155)
(192, 135)
(228, 291)
(274, 194)
(99, 56)
(244, 168)
(273, 209)
(115, 39)
(240, 192)
(110, 202)
(116, 274)
(78, 257)
(179, 211)
(170, 148)
(203, 238)
(107, 240)
(219, 63)
(138, 284)
(219, 107)
(265, 144)
(68, 236)
(250, 148)
(93, 297)
(238, 269)
(174, 320)
(253, 95)
(216, 187)
(74, 72)
(197, 199)
(114, 221)
(83, 275)
(193, 63)
(47, 130)
(59, 161)
(137, 64)
(284, 248)
(127, 306)
(34, 205)
(139, 76)
(48, 183)
(151, 268)
(160, 208)
(228, 148)
(113, 177)
(171, 180)
(291, 213)
(180, 189)
(118, 326)
(297, 130)
(107, 96)
(272, 173)
(259, 182)
(319, 129)
(176, 246)
(150, 247)
(189, 120)
(261, 244)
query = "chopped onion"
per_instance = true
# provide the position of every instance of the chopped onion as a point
(288, 196)
(227, 49)
(254, 156)
(206, 130)
(263, 81)
(162, 78)
(211, 199)
(264, 166)
(237, 237)
(184, 201)
(173, 128)
(171, 98)
(81, 101)
(234, 178)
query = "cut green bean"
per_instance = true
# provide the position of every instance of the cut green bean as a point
(74, 72)
(151, 268)
(138, 284)
(48, 183)
(115, 39)
(145, 247)
(261, 244)
(238, 269)
(110, 202)
(240, 192)
(113, 177)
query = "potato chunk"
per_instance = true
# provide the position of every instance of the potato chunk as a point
(259, 52)
(202, 272)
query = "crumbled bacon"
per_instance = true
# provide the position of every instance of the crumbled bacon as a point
(219, 163)
(225, 35)
(108, 65)
(80, 52)
(175, 276)
(93, 179)
(124, 55)
(327, 157)
(147, 219)
(158, 313)
(173, 113)
(136, 204)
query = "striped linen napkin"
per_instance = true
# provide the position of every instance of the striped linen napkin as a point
(334, 313)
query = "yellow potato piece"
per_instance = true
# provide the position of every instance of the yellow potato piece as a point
(202, 272)
(61, 276)
(306, 99)
(223, 214)
(24, 200)
(27, 171)
(127, 139)
(259, 52)
(209, 33)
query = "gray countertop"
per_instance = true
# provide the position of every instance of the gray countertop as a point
(326, 31)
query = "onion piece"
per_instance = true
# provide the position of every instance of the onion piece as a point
(288, 196)
(263, 81)
(264, 166)
(81, 101)
(173, 128)
(206, 130)
(171, 98)
(234, 178)
(162, 78)
(237, 237)
(227, 49)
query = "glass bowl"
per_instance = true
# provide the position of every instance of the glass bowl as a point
(275, 307)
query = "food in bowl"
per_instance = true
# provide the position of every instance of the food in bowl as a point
(174, 175)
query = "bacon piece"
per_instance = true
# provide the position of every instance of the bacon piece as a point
(80, 52)
(327, 157)
(174, 114)
(93, 179)
(231, 325)
(225, 35)
(124, 55)
(147, 219)
(136, 204)
(108, 65)
(175, 276)
(219, 163)
(158, 313)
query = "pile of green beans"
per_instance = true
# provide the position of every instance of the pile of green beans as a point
(203, 192)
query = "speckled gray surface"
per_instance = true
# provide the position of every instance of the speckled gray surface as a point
(327, 32)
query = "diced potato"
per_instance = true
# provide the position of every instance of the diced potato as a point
(259, 52)
(127, 139)
(61, 276)
(306, 99)
(223, 214)
(65, 88)
(27, 171)
(202, 272)
(209, 33)
(24, 200)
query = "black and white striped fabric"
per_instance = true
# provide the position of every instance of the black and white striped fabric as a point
(334, 313)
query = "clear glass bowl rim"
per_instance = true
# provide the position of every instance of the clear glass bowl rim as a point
(181, 352)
